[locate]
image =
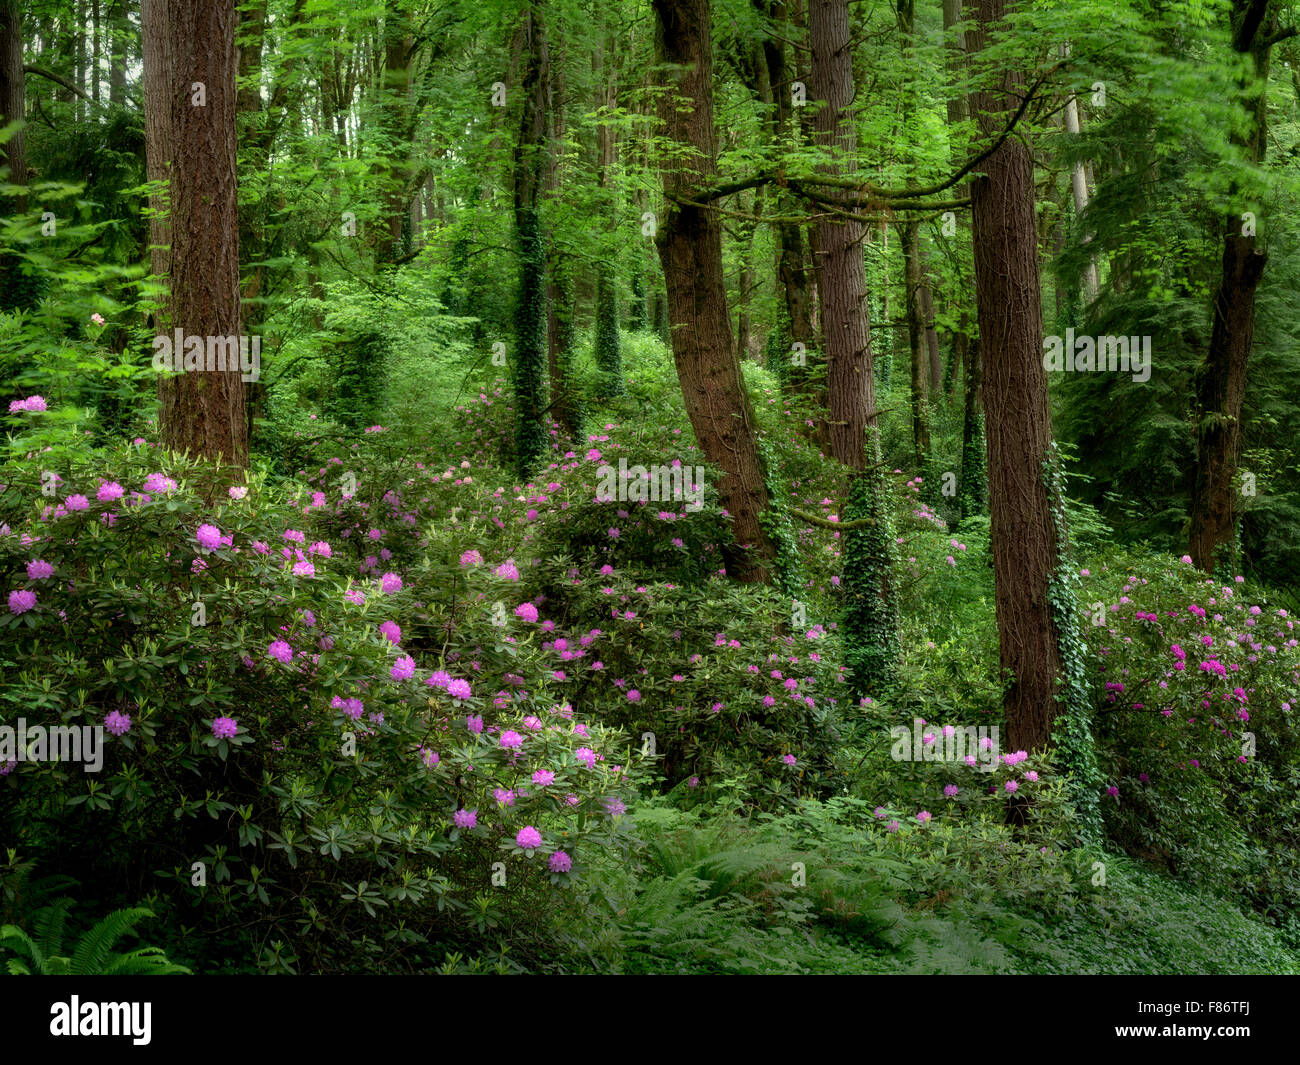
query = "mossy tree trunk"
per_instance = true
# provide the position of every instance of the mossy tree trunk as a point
(528, 364)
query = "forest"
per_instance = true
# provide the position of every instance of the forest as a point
(623, 487)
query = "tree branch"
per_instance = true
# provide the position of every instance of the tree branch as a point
(41, 72)
(814, 519)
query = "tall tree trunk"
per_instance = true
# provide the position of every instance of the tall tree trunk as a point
(1079, 187)
(13, 94)
(958, 106)
(1221, 379)
(839, 242)
(972, 485)
(792, 262)
(255, 137)
(17, 290)
(909, 235)
(608, 352)
(158, 81)
(689, 241)
(94, 49)
(871, 635)
(920, 311)
(79, 77)
(1017, 416)
(529, 363)
(745, 252)
(925, 308)
(207, 418)
(119, 30)
(396, 119)
(561, 332)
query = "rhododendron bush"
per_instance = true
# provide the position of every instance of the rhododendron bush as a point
(277, 747)
(1198, 689)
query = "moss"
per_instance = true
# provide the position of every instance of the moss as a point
(528, 367)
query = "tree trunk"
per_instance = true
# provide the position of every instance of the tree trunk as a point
(958, 106)
(94, 49)
(396, 120)
(13, 96)
(1017, 416)
(1079, 188)
(79, 78)
(1221, 379)
(156, 46)
(972, 487)
(925, 308)
(871, 634)
(608, 352)
(529, 362)
(689, 241)
(909, 235)
(207, 418)
(255, 137)
(561, 332)
(119, 30)
(774, 86)
(839, 242)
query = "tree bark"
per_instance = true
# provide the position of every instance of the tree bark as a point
(870, 619)
(1017, 415)
(839, 242)
(689, 241)
(207, 418)
(13, 92)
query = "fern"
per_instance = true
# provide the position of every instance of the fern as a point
(93, 955)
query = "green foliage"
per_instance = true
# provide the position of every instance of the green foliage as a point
(871, 635)
(310, 815)
(40, 951)
(1196, 726)
(1072, 726)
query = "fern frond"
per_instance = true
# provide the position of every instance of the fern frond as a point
(96, 946)
(49, 923)
(22, 944)
(147, 961)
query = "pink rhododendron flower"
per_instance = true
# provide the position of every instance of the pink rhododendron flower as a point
(118, 723)
(403, 668)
